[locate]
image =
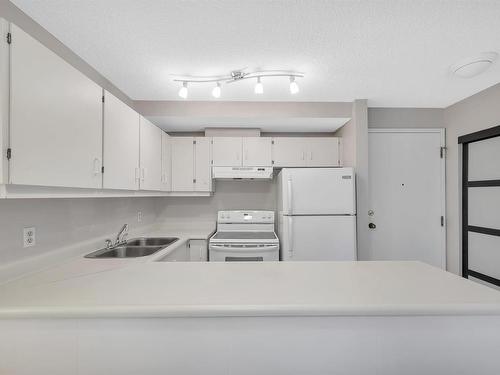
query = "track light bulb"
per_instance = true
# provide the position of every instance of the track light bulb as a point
(294, 87)
(216, 91)
(259, 87)
(183, 92)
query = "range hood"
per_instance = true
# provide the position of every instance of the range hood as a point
(243, 173)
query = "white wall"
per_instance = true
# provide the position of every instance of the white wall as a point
(61, 222)
(229, 195)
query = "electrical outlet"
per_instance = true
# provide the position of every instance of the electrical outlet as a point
(29, 237)
(139, 216)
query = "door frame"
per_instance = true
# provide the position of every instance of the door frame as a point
(442, 151)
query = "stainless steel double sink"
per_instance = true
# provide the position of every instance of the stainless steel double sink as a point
(134, 248)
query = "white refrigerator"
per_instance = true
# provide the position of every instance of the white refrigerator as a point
(317, 214)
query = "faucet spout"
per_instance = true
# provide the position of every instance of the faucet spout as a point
(122, 234)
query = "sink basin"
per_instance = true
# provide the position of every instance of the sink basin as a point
(134, 248)
(125, 252)
(153, 241)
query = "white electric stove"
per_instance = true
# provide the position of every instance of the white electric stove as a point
(244, 236)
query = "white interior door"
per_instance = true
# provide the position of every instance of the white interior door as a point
(56, 119)
(407, 195)
(121, 145)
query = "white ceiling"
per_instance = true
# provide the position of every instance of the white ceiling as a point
(393, 53)
(267, 124)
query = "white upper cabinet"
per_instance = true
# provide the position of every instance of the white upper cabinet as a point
(323, 152)
(150, 156)
(226, 151)
(289, 152)
(56, 119)
(121, 145)
(182, 163)
(257, 151)
(202, 167)
(306, 152)
(191, 168)
(166, 162)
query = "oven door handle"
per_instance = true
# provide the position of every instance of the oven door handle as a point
(255, 249)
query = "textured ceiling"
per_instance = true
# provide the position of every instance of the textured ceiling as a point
(393, 53)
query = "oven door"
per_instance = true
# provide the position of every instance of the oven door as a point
(243, 252)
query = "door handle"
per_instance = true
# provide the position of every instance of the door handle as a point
(97, 166)
(290, 236)
(290, 198)
(372, 226)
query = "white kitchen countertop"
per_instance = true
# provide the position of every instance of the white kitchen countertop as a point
(194, 289)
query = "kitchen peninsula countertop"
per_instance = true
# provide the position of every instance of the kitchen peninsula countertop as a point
(197, 289)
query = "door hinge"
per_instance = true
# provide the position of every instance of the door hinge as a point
(9, 38)
(272, 142)
(211, 161)
(442, 221)
(103, 98)
(9, 153)
(102, 169)
(272, 161)
(194, 180)
(442, 152)
(194, 142)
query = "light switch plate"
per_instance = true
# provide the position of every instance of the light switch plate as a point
(29, 237)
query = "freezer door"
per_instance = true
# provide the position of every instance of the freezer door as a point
(317, 191)
(317, 238)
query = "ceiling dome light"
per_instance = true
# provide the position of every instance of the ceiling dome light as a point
(259, 87)
(216, 91)
(473, 66)
(183, 92)
(294, 87)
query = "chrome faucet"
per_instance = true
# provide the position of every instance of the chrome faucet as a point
(120, 237)
(122, 234)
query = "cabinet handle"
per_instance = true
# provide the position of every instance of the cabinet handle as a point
(246, 154)
(143, 172)
(97, 166)
(137, 173)
(311, 156)
(237, 156)
(303, 155)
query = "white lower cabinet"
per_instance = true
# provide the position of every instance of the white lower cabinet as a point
(121, 145)
(306, 152)
(198, 250)
(150, 156)
(179, 254)
(55, 119)
(191, 170)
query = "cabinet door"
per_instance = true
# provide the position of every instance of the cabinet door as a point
(203, 170)
(121, 145)
(198, 250)
(166, 162)
(289, 152)
(150, 156)
(257, 151)
(182, 163)
(323, 152)
(226, 151)
(56, 119)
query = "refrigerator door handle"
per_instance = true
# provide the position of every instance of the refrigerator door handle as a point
(290, 237)
(290, 198)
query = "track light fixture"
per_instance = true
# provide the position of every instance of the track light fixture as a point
(183, 92)
(294, 87)
(216, 91)
(235, 76)
(259, 87)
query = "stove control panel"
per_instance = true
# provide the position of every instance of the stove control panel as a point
(242, 217)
